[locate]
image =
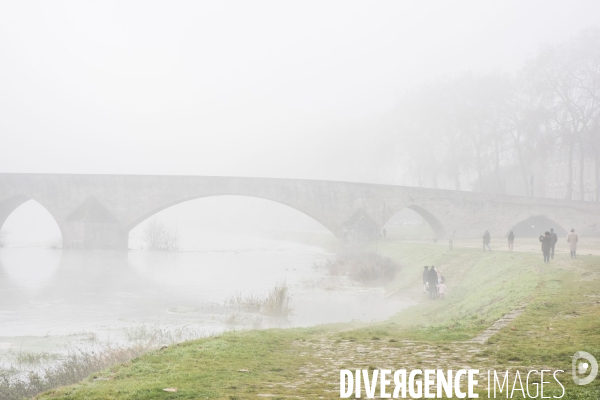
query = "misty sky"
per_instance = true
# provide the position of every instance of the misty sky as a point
(250, 88)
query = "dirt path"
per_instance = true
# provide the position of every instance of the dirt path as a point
(333, 355)
(498, 325)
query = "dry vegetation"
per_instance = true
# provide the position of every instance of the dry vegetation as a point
(160, 236)
(56, 242)
(366, 268)
(18, 383)
(275, 303)
(33, 373)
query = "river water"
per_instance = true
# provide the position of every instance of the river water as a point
(50, 293)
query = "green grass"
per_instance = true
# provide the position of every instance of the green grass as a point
(562, 316)
(200, 369)
(483, 287)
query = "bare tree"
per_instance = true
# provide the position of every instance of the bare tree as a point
(478, 124)
(480, 108)
(418, 137)
(160, 236)
(587, 50)
(430, 137)
(570, 73)
(524, 118)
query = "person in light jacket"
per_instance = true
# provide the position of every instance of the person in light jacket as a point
(572, 238)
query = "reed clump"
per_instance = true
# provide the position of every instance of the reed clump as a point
(33, 373)
(17, 384)
(275, 303)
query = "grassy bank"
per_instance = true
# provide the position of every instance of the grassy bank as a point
(561, 315)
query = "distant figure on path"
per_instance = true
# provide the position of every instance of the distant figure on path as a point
(511, 240)
(425, 278)
(433, 282)
(486, 240)
(546, 240)
(451, 240)
(554, 240)
(573, 239)
(384, 232)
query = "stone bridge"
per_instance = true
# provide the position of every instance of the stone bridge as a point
(98, 211)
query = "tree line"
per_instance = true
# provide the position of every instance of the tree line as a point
(469, 128)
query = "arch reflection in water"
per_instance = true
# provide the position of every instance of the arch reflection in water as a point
(110, 292)
(30, 268)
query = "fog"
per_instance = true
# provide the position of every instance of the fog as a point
(471, 96)
(277, 89)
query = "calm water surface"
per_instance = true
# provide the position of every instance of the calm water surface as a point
(45, 292)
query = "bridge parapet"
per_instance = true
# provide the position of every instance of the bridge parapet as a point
(98, 211)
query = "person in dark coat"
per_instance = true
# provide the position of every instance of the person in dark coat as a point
(425, 277)
(486, 240)
(511, 240)
(554, 240)
(546, 240)
(433, 281)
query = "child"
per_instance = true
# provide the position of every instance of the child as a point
(442, 289)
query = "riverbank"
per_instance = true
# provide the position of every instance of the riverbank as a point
(556, 309)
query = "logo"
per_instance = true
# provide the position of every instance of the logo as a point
(580, 368)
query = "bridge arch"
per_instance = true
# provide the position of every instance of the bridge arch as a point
(278, 204)
(11, 204)
(533, 226)
(432, 221)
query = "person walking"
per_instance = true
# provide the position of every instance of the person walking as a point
(425, 278)
(432, 282)
(572, 238)
(451, 240)
(554, 240)
(486, 240)
(384, 232)
(546, 241)
(511, 240)
(442, 289)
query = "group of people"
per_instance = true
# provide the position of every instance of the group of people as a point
(548, 241)
(434, 283)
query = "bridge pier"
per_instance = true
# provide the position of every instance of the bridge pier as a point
(93, 236)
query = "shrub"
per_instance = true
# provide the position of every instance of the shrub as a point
(160, 236)
(365, 268)
(275, 303)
